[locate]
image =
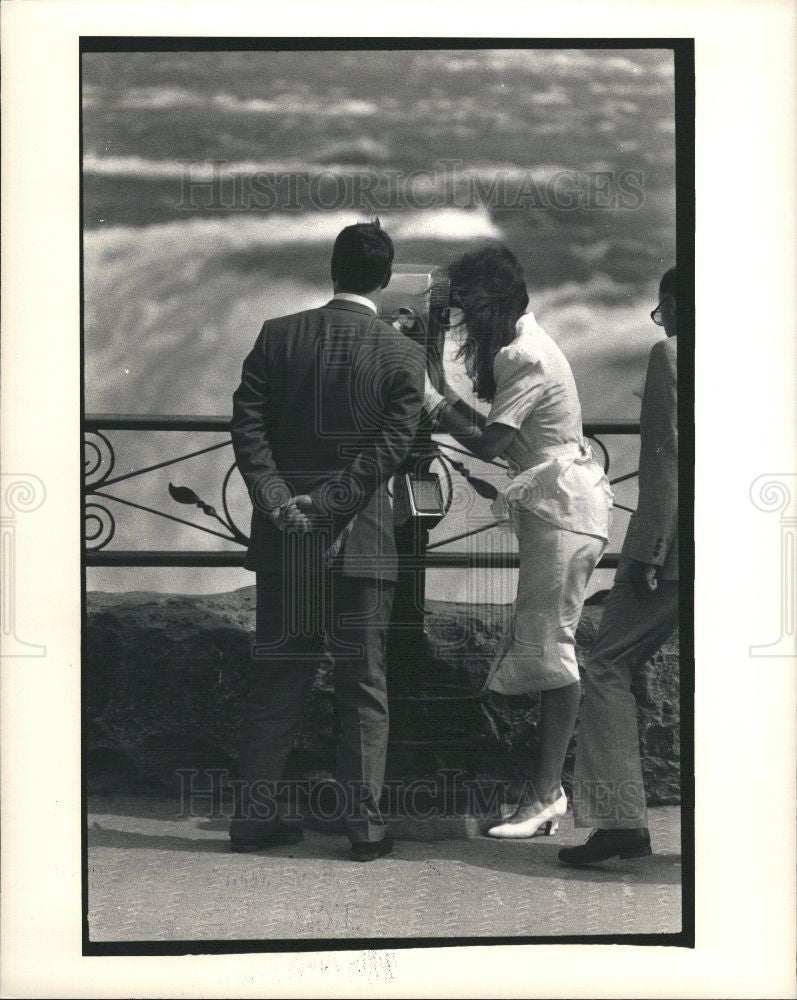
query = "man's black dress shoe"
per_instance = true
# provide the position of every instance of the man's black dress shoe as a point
(372, 851)
(604, 844)
(276, 838)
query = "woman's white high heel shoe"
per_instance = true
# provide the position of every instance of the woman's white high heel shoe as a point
(518, 828)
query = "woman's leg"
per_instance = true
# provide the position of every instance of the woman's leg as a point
(539, 804)
(555, 567)
(558, 713)
(559, 706)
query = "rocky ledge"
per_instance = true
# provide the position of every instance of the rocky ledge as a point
(166, 680)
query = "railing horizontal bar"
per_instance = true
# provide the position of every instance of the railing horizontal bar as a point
(436, 560)
(176, 558)
(610, 427)
(171, 422)
(489, 560)
(153, 422)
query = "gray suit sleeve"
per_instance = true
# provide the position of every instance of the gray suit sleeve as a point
(654, 526)
(250, 432)
(349, 490)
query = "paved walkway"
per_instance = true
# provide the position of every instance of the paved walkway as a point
(156, 876)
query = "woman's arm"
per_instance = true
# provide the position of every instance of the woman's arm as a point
(486, 443)
(469, 416)
(459, 419)
(467, 425)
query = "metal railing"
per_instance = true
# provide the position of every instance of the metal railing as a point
(100, 464)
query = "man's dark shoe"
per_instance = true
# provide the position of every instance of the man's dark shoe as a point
(604, 844)
(277, 838)
(372, 851)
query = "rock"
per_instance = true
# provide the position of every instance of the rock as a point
(166, 678)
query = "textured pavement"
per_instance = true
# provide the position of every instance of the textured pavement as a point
(154, 876)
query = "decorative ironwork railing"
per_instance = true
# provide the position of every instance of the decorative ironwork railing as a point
(100, 523)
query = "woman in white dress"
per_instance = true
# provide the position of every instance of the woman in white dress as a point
(558, 499)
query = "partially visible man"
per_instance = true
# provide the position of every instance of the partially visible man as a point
(326, 412)
(641, 613)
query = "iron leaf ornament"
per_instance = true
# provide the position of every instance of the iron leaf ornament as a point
(185, 495)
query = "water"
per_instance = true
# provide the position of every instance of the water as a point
(214, 184)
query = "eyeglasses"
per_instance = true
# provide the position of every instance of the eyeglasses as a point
(656, 314)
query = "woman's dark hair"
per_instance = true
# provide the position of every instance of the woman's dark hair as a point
(490, 288)
(362, 258)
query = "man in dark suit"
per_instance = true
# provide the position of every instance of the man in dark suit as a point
(641, 613)
(326, 412)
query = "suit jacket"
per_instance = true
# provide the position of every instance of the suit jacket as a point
(652, 535)
(329, 403)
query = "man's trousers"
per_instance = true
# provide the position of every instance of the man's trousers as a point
(608, 788)
(292, 619)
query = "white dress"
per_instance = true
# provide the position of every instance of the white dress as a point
(559, 501)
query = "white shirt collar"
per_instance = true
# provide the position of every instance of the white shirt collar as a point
(351, 297)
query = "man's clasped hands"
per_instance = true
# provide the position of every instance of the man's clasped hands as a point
(297, 514)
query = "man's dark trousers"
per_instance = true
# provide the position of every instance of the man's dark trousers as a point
(292, 615)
